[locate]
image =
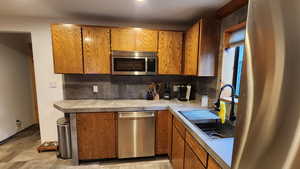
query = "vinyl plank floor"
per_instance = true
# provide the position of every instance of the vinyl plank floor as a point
(20, 152)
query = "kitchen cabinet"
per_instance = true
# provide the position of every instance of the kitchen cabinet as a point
(170, 133)
(191, 161)
(146, 40)
(162, 132)
(67, 48)
(96, 135)
(197, 148)
(178, 144)
(96, 50)
(212, 164)
(191, 50)
(202, 47)
(179, 126)
(170, 52)
(134, 39)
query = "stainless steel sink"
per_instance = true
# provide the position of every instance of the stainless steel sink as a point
(208, 122)
(216, 130)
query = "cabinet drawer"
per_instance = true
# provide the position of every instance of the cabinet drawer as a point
(104, 116)
(179, 126)
(197, 148)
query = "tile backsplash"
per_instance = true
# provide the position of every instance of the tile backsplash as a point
(128, 87)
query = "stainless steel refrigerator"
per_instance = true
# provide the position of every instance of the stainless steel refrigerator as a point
(268, 126)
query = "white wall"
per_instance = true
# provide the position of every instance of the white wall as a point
(43, 63)
(15, 83)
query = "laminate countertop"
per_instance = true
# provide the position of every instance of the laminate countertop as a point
(220, 149)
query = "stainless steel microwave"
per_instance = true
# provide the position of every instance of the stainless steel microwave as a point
(134, 63)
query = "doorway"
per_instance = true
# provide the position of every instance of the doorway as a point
(18, 99)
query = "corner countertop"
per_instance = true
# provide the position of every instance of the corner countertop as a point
(220, 149)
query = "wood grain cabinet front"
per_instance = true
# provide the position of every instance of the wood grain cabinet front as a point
(177, 150)
(197, 148)
(191, 161)
(67, 48)
(170, 52)
(170, 133)
(96, 50)
(202, 48)
(134, 39)
(96, 135)
(212, 164)
(162, 132)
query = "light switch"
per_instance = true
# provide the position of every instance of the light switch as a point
(95, 89)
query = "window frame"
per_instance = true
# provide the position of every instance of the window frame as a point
(226, 45)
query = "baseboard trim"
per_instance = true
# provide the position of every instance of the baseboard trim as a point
(10, 137)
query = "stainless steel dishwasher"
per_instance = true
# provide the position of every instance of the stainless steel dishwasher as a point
(136, 134)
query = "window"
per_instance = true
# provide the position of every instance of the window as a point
(233, 56)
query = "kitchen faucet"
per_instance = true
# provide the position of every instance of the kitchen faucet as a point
(217, 104)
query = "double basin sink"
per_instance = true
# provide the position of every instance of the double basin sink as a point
(209, 123)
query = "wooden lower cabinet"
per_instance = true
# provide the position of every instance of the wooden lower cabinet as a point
(177, 150)
(96, 135)
(162, 132)
(212, 164)
(197, 148)
(170, 133)
(191, 161)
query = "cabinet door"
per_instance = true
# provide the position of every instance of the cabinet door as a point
(191, 161)
(170, 132)
(161, 145)
(96, 134)
(123, 39)
(146, 40)
(197, 148)
(96, 50)
(67, 48)
(212, 164)
(170, 52)
(177, 150)
(191, 50)
(208, 46)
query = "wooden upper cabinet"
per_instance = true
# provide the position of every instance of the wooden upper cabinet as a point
(146, 40)
(191, 161)
(202, 47)
(208, 47)
(67, 48)
(162, 132)
(123, 39)
(191, 50)
(96, 135)
(134, 39)
(212, 164)
(96, 50)
(170, 52)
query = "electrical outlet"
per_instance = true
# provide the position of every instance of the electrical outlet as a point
(95, 89)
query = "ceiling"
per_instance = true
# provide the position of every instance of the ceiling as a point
(154, 11)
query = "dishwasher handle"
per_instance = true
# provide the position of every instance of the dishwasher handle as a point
(135, 115)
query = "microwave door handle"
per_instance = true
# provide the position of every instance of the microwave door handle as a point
(146, 64)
